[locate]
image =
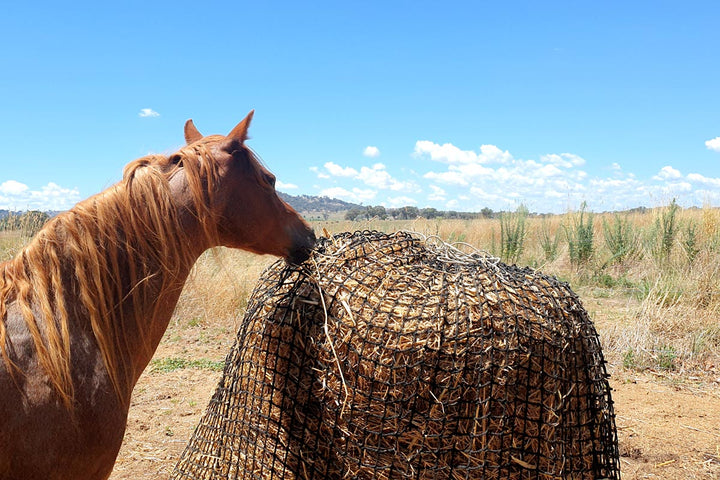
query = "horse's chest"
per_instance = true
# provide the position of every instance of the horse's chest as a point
(45, 441)
(39, 437)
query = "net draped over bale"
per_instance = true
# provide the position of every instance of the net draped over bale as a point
(386, 356)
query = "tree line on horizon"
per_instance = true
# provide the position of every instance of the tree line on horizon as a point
(410, 213)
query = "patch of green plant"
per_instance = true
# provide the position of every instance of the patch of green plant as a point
(621, 239)
(666, 228)
(630, 360)
(457, 237)
(707, 339)
(548, 244)
(664, 291)
(170, 364)
(666, 356)
(690, 242)
(606, 280)
(512, 234)
(580, 238)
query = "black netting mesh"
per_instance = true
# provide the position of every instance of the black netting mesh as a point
(415, 361)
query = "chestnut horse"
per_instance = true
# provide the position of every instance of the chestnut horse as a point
(84, 305)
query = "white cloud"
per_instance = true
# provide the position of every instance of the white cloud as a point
(696, 177)
(371, 151)
(357, 195)
(492, 154)
(549, 171)
(450, 178)
(284, 186)
(338, 171)
(148, 112)
(447, 177)
(377, 176)
(18, 196)
(319, 174)
(667, 173)
(449, 153)
(401, 201)
(11, 187)
(713, 144)
(438, 194)
(565, 160)
(478, 192)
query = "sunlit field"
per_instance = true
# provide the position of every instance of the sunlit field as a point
(650, 281)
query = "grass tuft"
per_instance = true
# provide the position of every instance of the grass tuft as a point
(167, 365)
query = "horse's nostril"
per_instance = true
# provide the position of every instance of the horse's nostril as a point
(303, 243)
(311, 239)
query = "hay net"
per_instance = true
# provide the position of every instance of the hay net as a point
(389, 356)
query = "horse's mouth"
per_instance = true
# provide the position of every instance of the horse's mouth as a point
(302, 247)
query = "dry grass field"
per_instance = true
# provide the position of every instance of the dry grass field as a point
(655, 302)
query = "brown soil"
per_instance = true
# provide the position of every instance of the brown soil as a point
(668, 425)
(667, 430)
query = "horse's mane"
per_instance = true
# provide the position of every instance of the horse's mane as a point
(84, 264)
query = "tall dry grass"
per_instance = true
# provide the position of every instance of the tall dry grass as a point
(657, 306)
(655, 309)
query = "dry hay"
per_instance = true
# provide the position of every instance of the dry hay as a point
(388, 356)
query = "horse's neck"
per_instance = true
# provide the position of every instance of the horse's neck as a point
(143, 277)
(162, 297)
(147, 310)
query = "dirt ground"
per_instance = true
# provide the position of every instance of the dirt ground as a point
(668, 424)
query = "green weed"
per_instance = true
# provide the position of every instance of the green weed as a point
(580, 237)
(166, 365)
(512, 234)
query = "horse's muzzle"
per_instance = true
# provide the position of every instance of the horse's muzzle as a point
(303, 243)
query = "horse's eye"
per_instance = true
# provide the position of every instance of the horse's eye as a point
(176, 160)
(270, 179)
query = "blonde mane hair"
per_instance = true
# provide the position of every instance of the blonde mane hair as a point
(89, 263)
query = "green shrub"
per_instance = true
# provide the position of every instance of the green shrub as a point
(690, 241)
(512, 234)
(580, 238)
(666, 356)
(666, 229)
(548, 244)
(621, 239)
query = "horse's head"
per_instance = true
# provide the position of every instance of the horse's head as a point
(240, 195)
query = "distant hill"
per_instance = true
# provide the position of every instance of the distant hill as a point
(314, 207)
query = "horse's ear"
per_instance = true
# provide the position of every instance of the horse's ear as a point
(240, 131)
(191, 133)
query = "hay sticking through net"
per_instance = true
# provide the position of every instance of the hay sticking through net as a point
(389, 356)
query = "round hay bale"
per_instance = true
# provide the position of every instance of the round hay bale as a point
(387, 356)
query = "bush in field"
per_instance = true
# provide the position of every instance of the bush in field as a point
(512, 234)
(621, 239)
(665, 232)
(580, 237)
(548, 243)
(690, 241)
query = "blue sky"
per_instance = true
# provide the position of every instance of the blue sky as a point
(453, 105)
